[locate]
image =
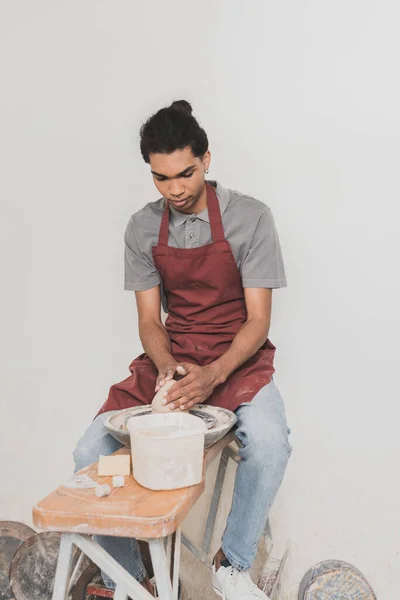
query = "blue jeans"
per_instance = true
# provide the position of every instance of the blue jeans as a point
(263, 433)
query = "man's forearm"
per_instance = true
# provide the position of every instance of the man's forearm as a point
(156, 342)
(247, 341)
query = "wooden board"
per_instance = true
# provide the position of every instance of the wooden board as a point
(33, 567)
(12, 535)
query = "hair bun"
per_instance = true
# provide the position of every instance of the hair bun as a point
(182, 106)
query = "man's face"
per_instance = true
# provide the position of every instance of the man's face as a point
(179, 177)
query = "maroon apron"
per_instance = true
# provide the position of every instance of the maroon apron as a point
(206, 309)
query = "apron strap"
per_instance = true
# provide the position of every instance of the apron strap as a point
(214, 213)
(164, 227)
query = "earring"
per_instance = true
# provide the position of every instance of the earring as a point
(206, 171)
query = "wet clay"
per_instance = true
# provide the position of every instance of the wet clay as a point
(157, 405)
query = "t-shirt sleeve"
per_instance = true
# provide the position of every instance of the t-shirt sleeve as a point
(140, 272)
(263, 265)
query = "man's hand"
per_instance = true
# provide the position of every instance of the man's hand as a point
(194, 388)
(167, 372)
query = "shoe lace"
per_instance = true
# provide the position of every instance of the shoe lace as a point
(233, 576)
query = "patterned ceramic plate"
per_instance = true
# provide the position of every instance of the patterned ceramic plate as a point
(12, 535)
(33, 567)
(335, 580)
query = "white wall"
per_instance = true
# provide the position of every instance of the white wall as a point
(300, 100)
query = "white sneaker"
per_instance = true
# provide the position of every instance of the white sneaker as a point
(231, 584)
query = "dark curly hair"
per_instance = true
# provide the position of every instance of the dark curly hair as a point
(172, 128)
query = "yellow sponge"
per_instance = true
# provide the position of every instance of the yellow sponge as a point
(119, 464)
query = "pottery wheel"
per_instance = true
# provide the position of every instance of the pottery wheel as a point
(208, 419)
(218, 422)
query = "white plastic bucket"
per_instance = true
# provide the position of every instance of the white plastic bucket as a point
(167, 450)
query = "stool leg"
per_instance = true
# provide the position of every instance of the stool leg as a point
(125, 583)
(61, 582)
(169, 549)
(75, 572)
(212, 513)
(177, 562)
(272, 570)
(120, 595)
(161, 569)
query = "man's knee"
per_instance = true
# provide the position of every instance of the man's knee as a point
(267, 447)
(262, 427)
(264, 435)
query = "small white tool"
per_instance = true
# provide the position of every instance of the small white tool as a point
(118, 481)
(103, 490)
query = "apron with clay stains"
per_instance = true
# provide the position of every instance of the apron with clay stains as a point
(206, 309)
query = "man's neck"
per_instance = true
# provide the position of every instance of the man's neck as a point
(201, 203)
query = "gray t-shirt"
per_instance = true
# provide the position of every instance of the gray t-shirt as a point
(248, 225)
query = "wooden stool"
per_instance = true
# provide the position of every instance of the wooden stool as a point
(134, 511)
(131, 511)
